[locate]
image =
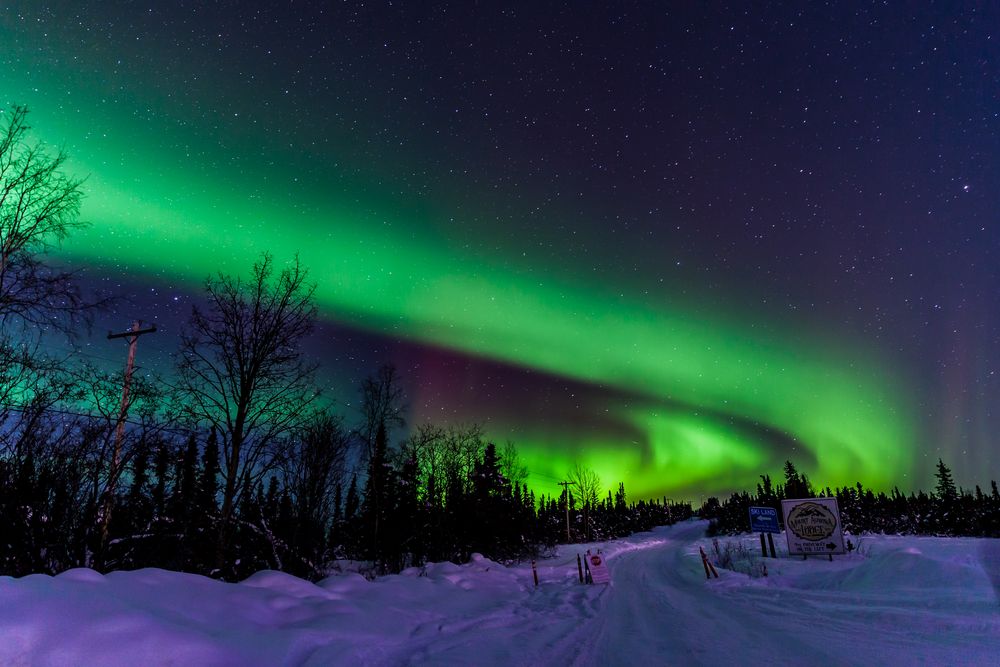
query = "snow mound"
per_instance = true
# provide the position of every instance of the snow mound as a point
(911, 570)
(285, 584)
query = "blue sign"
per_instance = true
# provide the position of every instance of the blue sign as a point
(764, 520)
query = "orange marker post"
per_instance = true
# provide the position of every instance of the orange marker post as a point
(709, 568)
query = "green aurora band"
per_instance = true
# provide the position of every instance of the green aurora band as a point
(714, 394)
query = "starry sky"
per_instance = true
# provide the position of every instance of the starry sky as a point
(676, 242)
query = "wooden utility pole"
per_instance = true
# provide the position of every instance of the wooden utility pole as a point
(133, 340)
(565, 486)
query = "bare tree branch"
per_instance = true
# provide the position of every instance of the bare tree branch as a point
(241, 370)
(39, 208)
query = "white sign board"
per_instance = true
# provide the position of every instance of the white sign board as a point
(812, 526)
(598, 568)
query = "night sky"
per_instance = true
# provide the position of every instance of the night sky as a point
(677, 242)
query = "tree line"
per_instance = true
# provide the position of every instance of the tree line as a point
(234, 461)
(441, 494)
(947, 510)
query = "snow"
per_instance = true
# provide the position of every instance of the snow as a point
(901, 600)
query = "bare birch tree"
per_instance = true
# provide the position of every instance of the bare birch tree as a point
(39, 207)
(588, 485)
(242, 370)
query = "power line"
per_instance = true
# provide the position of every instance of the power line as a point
(88, 415)
(548, 477)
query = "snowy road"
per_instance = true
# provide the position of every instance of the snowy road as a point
(660, 610)
(902, 600)
(663, 608)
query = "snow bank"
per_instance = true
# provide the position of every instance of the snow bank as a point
(902, 601)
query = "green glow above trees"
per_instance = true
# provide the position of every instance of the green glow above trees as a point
(700, 382)
(720, 396)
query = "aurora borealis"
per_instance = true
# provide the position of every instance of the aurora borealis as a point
(678, 244)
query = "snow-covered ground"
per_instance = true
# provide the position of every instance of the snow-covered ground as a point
(901, 601)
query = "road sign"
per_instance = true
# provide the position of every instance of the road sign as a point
(812, 526)
(764, 520)
(598, 568)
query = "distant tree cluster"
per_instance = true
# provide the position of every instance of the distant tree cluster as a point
(448, 493)
(233, 463)
(948, 510)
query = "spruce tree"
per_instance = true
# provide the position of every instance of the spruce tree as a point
(208, 482)
(175, 505)
(352, 502)
(796, 484)
(338, 503)
(137, 500)
(205, 511)
(348, 537)
(490, 493)
(188, 484)
(946, 490)
(407, 521)
(377, 501)
(620, 499)
(162, 475)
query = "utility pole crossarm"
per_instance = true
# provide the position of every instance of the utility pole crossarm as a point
(134, 331)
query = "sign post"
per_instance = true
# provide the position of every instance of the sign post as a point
(764, 520)
(812, 527)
